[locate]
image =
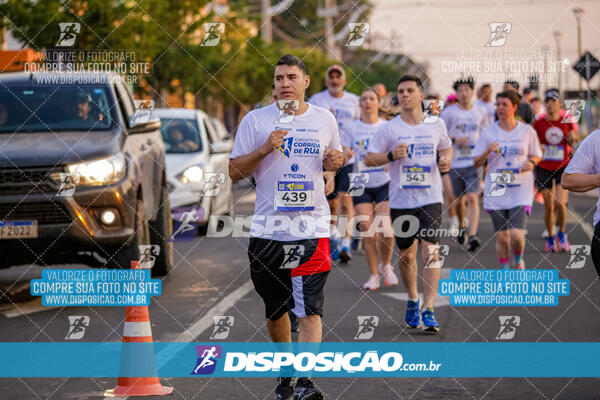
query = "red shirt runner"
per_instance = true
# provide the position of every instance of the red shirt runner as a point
(553, 138)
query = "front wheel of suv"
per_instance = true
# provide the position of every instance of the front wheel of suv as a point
(160, 233)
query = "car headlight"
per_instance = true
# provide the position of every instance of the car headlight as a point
(100, 172)
(193, 174)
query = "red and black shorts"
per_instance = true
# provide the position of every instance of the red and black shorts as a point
(290, 275)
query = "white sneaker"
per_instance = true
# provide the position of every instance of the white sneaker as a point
(520, 265)
(389, 277)
(372, 283)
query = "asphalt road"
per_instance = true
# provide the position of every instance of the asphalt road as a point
(211, 278)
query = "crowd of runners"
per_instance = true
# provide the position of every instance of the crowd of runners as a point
(400, 160)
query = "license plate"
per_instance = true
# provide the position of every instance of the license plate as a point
(18, 229)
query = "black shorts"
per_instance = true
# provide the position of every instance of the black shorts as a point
(342, 181)
(290, 275)
(544, 177)
(377, 194)
(514, 218)
(429, 221)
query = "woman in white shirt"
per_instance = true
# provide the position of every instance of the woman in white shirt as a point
(512, 150)
(369, 191)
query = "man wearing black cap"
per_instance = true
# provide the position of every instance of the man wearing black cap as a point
(82, 106)
(345, 108)
(556, 136)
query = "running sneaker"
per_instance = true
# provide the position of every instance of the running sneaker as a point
(453, 226)
(372, 283)
(306, 390)
(430, 324)
(285, 388)
(345, 255)
(412, 314)
(520, 265)
(550, 247)
(473, 243)
(294, 323)
(389, 277)
(562, 242)
(462, 236)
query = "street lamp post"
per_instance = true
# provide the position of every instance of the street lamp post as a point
(557, 36)
(578, 11)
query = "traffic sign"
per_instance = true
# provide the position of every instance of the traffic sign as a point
(587, 66)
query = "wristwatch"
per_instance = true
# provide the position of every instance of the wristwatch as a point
(390, 156)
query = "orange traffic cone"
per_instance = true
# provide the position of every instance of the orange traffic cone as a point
(137, 330)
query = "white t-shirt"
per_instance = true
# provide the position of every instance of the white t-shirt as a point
(464, 123)
(356, 135)
(415, 181)
(345, 108)
(289, 181)
(490, 109)
(586, 160)
(514, 150)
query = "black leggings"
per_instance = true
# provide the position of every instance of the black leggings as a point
(596, 248)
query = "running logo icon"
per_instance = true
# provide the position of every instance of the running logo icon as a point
(287, 111)
(223, 324)
(358, 34)
(498, 34)
(431, 110)
(292, 254)
(68, 33)
(358, 183)
(508, 327)
(143, 109)
(212, 33)
(207, 359)
(186, 225)
(68, 183)
(437, 255)
(573, 111)
(213, 182)
(366, 326)
(579, 253)
(499, 181)
(148, 254)
(77, 325)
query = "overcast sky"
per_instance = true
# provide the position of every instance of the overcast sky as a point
(443, 33)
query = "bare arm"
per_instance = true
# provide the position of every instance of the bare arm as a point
(376, 159)
(445, 161)
(580, 182)
(244, 166)
(479, 160)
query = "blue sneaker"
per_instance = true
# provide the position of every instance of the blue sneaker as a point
(430, 324)
(412, 314)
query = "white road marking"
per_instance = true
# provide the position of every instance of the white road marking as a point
(19, 309)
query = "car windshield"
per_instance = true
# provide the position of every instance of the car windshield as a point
(29, 107)
(181, 135)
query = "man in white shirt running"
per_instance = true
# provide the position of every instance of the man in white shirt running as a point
(583, 174)
(345, 108)
(286, 150)
(464, 122)
(410, 146)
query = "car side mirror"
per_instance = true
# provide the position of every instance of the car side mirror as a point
(142, 123)
(221, 147)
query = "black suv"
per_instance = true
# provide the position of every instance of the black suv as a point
(82, 173)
